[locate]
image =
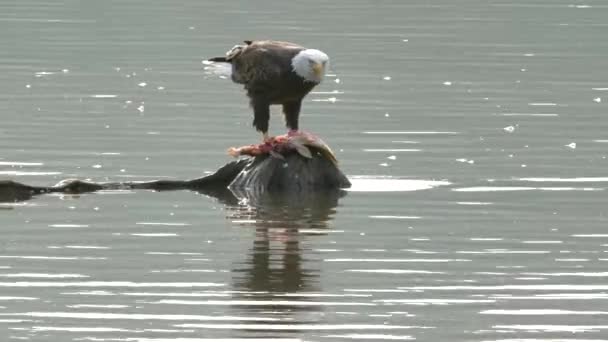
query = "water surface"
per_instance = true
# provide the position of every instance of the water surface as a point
(473, 132)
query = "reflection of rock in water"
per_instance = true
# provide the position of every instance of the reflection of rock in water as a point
(276, 268)
(285, 210)
(273, 266)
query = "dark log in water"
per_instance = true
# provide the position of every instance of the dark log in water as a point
(291, 175)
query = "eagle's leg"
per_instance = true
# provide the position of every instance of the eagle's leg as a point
(291, 110)
(261, 116)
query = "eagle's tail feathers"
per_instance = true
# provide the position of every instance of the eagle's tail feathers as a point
(218, 59)
(232, 53)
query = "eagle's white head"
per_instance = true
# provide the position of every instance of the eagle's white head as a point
(310, 64)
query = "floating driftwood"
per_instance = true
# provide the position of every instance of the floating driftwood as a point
(288, 173)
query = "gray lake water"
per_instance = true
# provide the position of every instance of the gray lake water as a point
(474, 132)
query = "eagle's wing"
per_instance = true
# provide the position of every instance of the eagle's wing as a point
(263, 62)
(255, 65)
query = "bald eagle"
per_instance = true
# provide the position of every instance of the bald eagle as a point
(275, 72)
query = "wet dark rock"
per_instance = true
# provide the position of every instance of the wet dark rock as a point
(11, 191)
(290, 175)
(76, 186)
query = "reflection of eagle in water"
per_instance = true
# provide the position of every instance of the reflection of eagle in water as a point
(275, 72)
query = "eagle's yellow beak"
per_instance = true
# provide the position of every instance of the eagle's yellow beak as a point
(318, 69)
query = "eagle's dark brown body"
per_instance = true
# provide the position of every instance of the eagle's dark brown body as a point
(265, 69)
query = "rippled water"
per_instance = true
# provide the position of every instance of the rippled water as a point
(474, 133)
